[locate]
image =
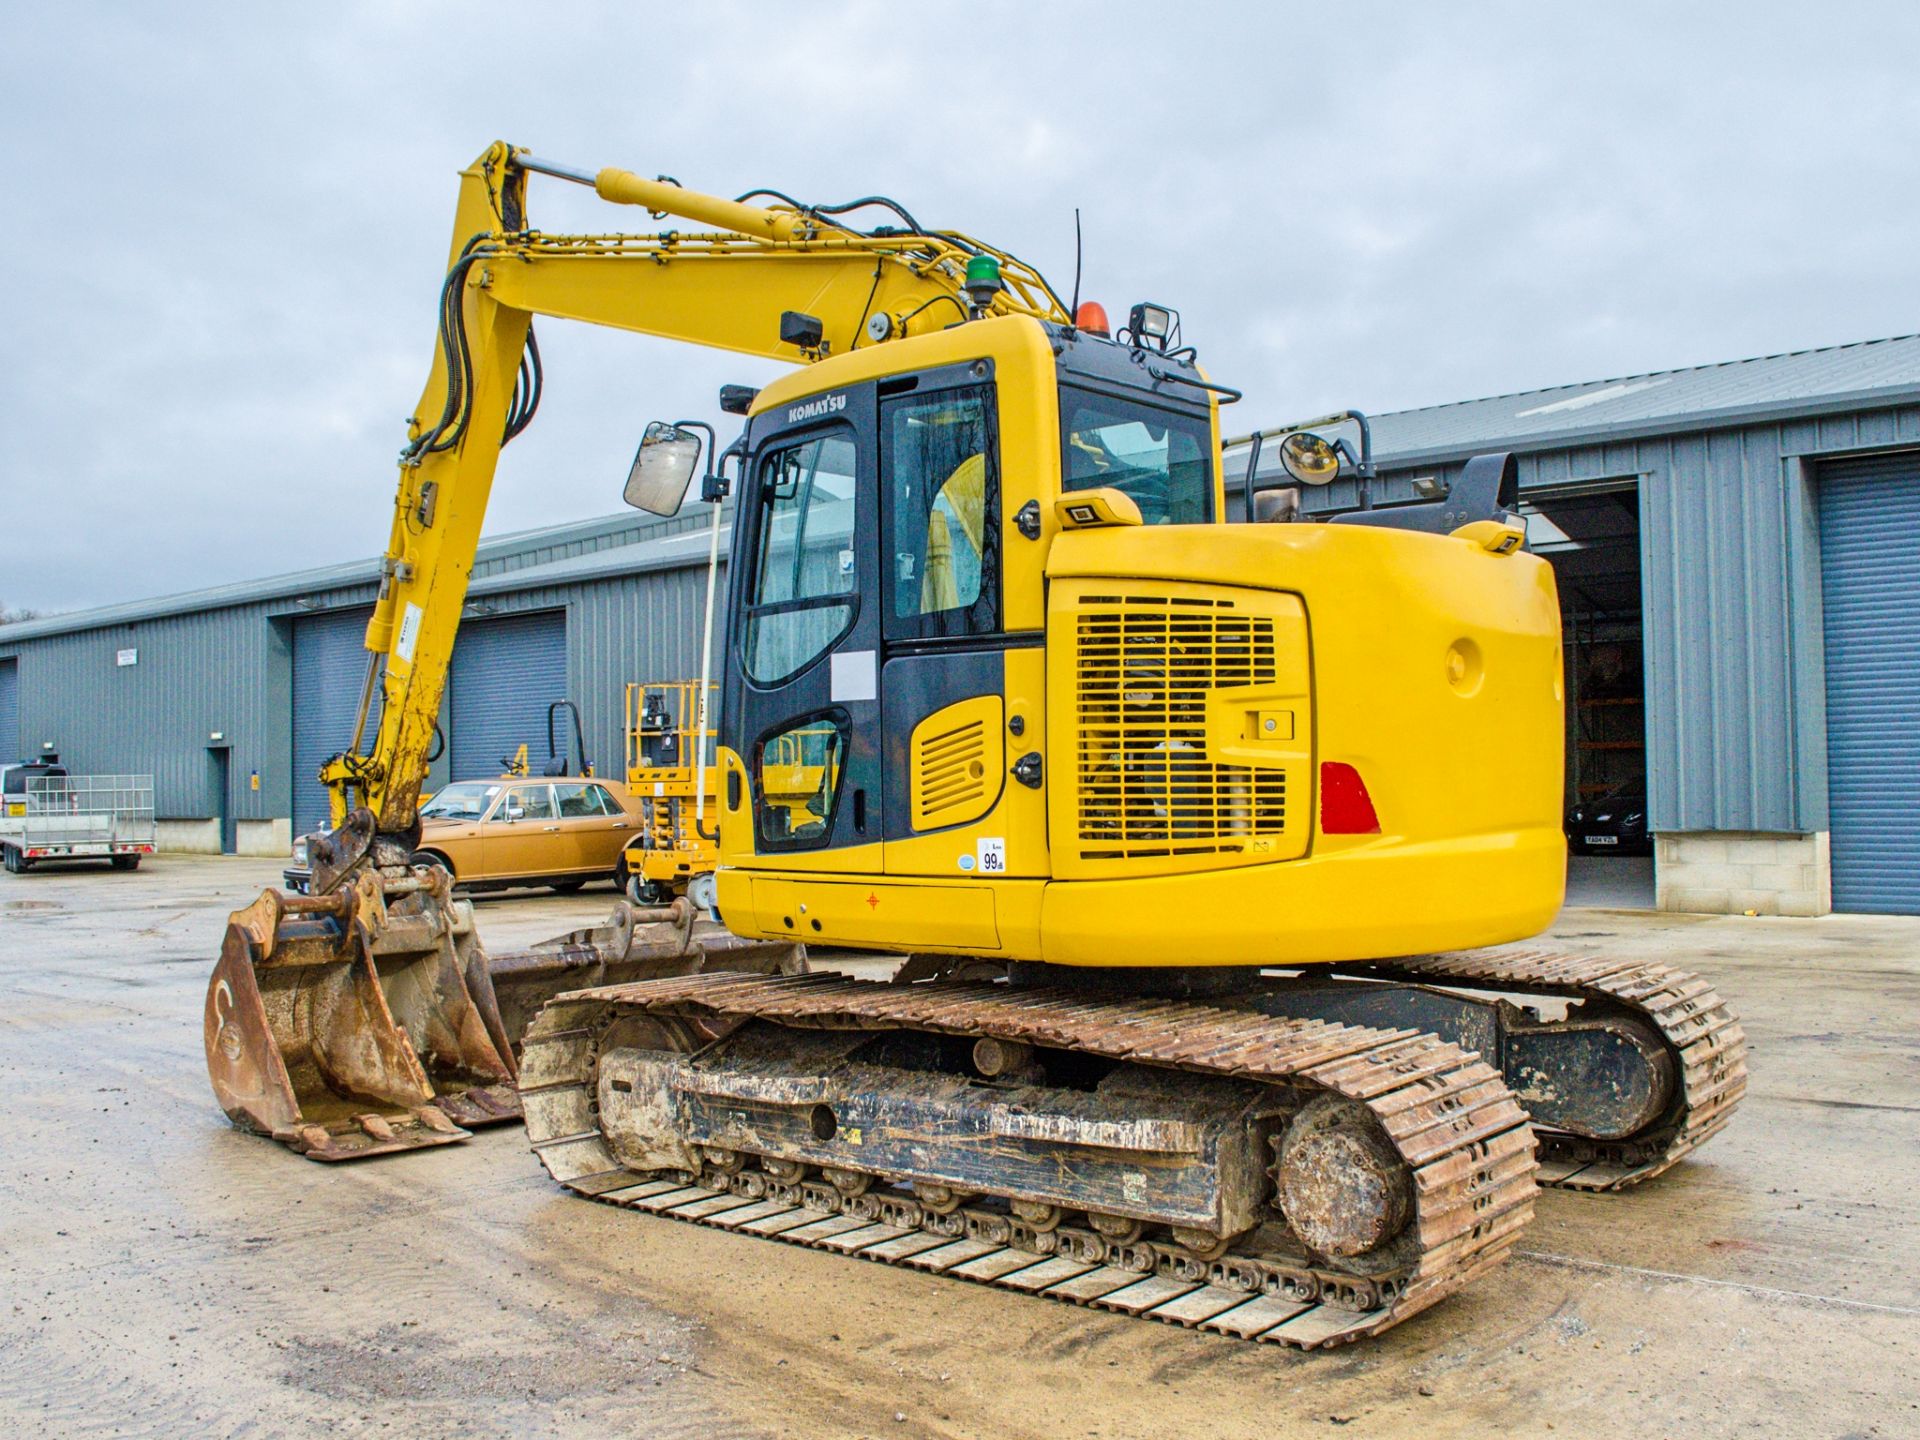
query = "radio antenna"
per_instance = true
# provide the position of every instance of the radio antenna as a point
(1073, 315)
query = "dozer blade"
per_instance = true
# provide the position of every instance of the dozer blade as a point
(370, 1020)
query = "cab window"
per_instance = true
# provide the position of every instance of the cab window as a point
(802, 587)
(943, 498)
(1156, 457)
(799, 791)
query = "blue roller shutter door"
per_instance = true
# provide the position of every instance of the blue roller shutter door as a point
(10, 711)
(505, 674)
(1870, 580)
(329, 668)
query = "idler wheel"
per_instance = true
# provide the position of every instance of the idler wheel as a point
(790, 1171)
(1341, 1185)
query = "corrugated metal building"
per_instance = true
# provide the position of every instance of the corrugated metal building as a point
(1737, 545)
(1738, 550)
(232, 696)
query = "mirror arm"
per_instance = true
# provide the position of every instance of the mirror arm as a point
(1363, 467)
(716, 487)
(711, 489)
(1259, 438)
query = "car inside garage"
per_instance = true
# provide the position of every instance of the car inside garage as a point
(1591, 535)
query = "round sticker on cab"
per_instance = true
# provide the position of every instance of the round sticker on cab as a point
(966, 862)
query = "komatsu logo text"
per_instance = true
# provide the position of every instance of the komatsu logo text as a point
(814, 409)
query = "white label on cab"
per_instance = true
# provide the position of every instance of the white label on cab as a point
(855, 675)
(409, 633)
(992, 852)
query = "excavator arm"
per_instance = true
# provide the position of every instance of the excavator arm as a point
(365, 1017)
(726, 288)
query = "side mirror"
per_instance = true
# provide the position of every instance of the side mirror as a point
(515, 812)
(1308, 458)
(662, 469)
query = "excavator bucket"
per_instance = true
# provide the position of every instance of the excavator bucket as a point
(342, 1026)
(369, 1020)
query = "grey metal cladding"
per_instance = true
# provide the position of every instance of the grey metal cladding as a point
(213, 660)
(193, 675)
(1838, 378)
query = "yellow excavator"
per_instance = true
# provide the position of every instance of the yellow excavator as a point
(1190, 836)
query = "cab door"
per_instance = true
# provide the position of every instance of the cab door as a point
(944, 682)
(802, 704)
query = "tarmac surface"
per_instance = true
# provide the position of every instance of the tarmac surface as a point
(164, 1274)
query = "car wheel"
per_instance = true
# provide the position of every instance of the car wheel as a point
(126, 862)
(430, 860)
(12, 858)
(566, 887)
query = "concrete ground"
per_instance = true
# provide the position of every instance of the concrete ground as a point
(164, 1274)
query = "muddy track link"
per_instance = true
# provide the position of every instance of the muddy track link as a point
(1450, 1117)
(1708, 1046)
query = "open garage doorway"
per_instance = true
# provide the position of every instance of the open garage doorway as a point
(1591, 536)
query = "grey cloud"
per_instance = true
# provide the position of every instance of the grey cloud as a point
(228, 224)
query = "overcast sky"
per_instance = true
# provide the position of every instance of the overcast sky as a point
(230, 222)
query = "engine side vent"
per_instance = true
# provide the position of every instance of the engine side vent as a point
(957, 763)
(1146, 666)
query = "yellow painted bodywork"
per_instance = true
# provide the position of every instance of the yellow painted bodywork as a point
(1431, 664)
(957, 760)
(1428, 663)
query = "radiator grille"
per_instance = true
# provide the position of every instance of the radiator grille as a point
(1145, 666)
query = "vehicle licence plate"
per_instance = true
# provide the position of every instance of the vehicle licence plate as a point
(1601, 839)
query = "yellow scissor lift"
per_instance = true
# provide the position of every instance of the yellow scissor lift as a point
(665, 774)
(676, 844)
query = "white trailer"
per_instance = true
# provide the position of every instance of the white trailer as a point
(47, 814)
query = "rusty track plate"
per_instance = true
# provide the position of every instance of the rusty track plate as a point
(1707, 1043)
(1449, 1116)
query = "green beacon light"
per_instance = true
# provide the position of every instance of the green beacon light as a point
(983, 282)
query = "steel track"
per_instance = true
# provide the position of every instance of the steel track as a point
(1463, 1137)
(1707, 1043)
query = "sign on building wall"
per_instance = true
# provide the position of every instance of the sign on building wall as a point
(129, 656)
